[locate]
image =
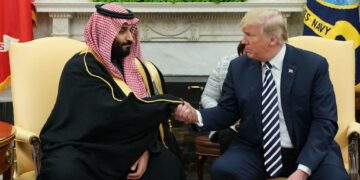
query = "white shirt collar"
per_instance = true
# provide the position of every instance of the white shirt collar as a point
(277, 61)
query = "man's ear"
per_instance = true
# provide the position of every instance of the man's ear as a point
(273, 40)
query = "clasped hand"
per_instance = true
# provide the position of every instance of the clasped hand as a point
(185, 113)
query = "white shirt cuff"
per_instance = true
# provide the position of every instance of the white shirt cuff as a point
(211, 134)
(200, 120)
(304, 169)
(233, 128)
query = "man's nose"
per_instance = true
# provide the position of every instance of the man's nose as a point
(244, 40)
(130, 36)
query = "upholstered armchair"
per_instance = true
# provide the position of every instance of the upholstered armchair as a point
(36, 67)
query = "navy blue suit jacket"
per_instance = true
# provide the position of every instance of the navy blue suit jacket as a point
(307, 99)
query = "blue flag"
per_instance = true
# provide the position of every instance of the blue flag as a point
(334, 19)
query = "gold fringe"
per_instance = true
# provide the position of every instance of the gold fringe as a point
(5, 84)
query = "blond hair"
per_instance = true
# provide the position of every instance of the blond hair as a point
(271, 20)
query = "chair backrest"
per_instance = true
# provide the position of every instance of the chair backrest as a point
(341, 58)
(36, 67)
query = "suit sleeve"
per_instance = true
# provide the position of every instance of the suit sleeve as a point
(226, 112)
(323, 126)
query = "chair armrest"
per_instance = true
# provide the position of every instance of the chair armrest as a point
(353, 134)
(353, 127)
(25, 136)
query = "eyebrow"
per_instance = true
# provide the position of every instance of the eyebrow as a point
(126, 25)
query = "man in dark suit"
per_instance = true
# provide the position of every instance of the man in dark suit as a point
(286, 102)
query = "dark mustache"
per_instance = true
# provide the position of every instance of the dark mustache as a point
(127, 43)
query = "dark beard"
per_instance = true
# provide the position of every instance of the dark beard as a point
(118, 52)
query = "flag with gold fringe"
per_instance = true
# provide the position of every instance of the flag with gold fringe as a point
(17, 18)
(334, 19)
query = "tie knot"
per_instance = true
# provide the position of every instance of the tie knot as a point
(268, 65)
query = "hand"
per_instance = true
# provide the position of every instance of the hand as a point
(139, 166)
(185, 113)
(298, 175)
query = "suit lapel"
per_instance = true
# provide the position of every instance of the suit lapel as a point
(287, 78)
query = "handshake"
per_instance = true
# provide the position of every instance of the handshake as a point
(185, 113)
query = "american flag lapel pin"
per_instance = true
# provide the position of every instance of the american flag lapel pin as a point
(291, 71)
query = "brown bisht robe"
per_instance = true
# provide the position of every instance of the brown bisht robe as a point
(95, 131)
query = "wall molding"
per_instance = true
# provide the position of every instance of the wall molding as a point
(283, 6)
